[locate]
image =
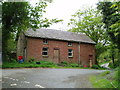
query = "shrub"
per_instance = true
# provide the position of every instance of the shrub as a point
(73, 65)
(116, 64)
(47, 63)
(64, 62)
(13, 60)
(95, 66)
(32, 60)
(38, 63)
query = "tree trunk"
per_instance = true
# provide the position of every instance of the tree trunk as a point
(113, 59)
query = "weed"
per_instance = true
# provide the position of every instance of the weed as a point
(105, 73)
(101, 81)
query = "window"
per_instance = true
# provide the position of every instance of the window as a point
(70, 53)
(45, 51)
(45, 41)
(69, 44)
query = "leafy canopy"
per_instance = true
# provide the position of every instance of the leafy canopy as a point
(18, 17)
(90, 23)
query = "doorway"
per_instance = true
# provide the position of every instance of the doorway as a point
(56, 56)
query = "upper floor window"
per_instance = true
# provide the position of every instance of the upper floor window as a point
(69, 44)
(45, 41)
(70, 53)
(45, 51)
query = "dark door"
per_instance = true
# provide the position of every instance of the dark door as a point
(56, 56)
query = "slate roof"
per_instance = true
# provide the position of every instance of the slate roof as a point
(59, 35)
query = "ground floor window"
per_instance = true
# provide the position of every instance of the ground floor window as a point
(70, 53)
(45, 51)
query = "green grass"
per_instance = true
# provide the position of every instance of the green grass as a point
(105, 73)
(27, 65)
(100, 83)
(43, 64)
(105, 80)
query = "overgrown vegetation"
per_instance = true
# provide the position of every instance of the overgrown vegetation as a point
(107, 79)
(102, 25)
(44, 64)
(18, 17)
(31, 64)
(111, 19)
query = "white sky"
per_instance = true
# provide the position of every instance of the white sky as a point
(63, 9)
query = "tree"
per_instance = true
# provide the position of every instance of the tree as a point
(111, 18)
(19, 16)
(90, 23)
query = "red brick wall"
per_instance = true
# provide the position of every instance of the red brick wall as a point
(85, 51)
(35, 45)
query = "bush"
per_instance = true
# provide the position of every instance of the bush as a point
(38, 63)
(32, 60)
(116, 64)
(73, 65)
(13, 60)
(64, 62)
(47, 63)
(95, 66)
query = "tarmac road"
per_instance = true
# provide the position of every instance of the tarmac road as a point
(47, 78)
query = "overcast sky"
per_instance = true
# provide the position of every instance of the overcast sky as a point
(63, 9)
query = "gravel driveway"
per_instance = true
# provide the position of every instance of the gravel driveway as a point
(47, 78)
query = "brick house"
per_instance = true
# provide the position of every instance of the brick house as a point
(56, 46)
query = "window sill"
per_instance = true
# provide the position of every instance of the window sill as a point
(45, 43)
(70, 57)
(45, 56)
(69, 45)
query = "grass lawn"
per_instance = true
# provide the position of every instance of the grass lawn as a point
(107, 79)
(43, 64)
(27, 65)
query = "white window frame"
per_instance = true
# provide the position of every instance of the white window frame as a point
(45, 51)
(70, 52)
(45, 41)
(69, 43)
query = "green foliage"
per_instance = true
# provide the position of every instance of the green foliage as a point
(35, 64)
(18, 17)
(47, 63)
(101, 83)
(105, 73)
(115, 65)
(105, 80)
(95, 66)
(13, 15)
(15, 64)
(110, 55)
(31, 60)
(111, 18)
(90, 23)
(64, 62)
(13, 60)
(73, 65)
